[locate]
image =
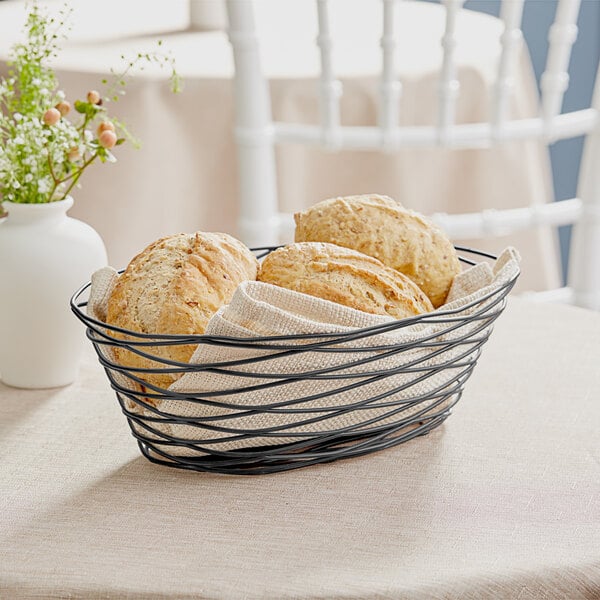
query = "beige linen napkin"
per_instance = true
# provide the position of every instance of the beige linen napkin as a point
(243, 381)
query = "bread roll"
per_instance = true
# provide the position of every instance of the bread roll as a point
(382, 228)
(174, 286)
(344, 276)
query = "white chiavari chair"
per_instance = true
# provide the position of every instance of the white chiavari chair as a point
(257, 134)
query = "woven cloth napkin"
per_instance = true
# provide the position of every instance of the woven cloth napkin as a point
(227, 401)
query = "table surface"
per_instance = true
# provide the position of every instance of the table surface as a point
(501, 501)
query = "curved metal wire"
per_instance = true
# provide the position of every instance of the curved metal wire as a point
(223, 442)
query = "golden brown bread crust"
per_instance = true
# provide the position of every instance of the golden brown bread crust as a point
(344, 276)
(174, 286)
(382, 228)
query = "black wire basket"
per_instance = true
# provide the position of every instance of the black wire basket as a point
(423, 379)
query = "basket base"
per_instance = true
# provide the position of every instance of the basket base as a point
(285, 457)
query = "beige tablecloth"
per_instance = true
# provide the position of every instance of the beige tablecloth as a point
(184, 177)
(502, 501)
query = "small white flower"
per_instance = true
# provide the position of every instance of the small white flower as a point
(17, 117)
(28, 178)
(60, 95)
(43, 185)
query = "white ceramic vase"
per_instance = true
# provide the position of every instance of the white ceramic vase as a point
(44, 257)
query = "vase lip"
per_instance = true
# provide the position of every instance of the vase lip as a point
(25, 212)
(40, 205)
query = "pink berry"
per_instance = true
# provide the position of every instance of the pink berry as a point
(105, 126)
(63, 107)
(93, 97)
(107, 139)
(51, 117)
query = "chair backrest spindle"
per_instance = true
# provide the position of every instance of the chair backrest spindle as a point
(555, 78)
(390, 86)
(259, 215)
(330, 90)
(449, 86)
(511, 14)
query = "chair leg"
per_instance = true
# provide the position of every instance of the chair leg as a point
(259, 215)
(584, 259)
(258, 223)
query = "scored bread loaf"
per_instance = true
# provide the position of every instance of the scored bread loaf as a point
(174, 286)
(344, 276)
(382, 228)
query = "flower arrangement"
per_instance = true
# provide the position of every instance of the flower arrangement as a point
(43, 149)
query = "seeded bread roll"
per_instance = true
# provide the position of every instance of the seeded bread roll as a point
(344, 276)
(382, 228)
(174, 286)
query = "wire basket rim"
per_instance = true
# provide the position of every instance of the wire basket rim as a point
(437, 316)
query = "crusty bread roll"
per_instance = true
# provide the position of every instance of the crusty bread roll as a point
(344, 276)
(382, 228)
(174, 286)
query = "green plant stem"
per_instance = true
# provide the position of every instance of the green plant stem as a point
(77, 174)
(52, 174)
(80, 169)
(54, 178)
(83, 125)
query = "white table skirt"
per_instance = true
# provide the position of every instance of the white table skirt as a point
(501, 501)
(184, 177)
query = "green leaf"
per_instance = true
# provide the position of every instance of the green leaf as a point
(87, 109)
(81, 107)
